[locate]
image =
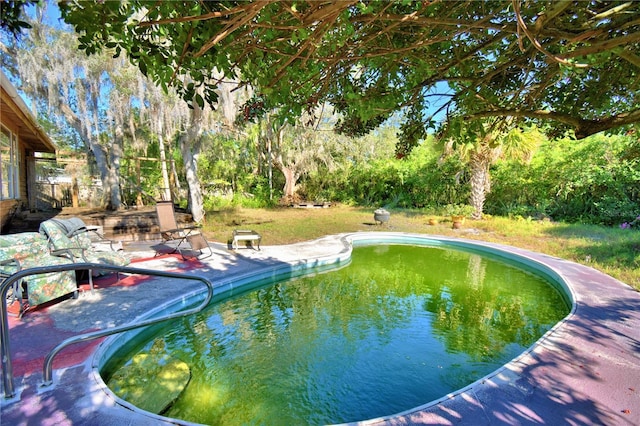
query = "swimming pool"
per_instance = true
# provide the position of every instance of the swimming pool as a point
(469, 255)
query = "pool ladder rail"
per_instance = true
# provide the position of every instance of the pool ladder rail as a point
(47, 370)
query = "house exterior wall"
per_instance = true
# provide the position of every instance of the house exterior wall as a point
(7, 207)
(31, 138)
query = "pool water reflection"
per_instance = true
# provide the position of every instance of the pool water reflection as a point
(398, 327)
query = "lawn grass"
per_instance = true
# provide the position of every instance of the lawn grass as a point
(613, 251)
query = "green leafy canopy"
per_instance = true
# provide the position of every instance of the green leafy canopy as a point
(573, 64)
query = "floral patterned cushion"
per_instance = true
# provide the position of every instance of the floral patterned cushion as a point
(25, 238)
(79, 246)
(58, 239)
(29, 250)
(22, 246)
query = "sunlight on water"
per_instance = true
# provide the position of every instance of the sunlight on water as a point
(397, 328)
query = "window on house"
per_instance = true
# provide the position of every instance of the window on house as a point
(9, 187)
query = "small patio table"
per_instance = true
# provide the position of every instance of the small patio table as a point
(245, 235)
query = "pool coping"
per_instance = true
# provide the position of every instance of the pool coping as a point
(586, 370)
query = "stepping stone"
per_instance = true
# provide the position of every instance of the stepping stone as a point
(151, 382)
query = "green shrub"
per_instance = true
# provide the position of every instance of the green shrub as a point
(596, 180)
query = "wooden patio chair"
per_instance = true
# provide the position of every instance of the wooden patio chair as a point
(170, 231)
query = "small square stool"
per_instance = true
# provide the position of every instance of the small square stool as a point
(245, 235)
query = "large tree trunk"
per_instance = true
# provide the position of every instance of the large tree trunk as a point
(99, 154)
(189, 148)
(270, 166)
(166, 190)
(267, 144)
(113, 179)
(479, 184)
(290, 181)
(174, 182)
(109, 176)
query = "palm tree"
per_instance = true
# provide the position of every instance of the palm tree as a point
(479, 145)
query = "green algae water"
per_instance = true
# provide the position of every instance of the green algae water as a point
(398, 327)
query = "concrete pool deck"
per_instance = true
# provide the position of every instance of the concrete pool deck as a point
(586, 371)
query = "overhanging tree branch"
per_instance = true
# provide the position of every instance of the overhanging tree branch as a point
(307, 52)
(583, 128)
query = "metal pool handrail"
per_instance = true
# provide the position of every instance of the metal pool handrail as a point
(5, 352)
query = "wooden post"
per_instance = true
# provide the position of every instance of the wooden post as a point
(75, 193)
(139, 201)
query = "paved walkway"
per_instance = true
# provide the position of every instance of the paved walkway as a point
(586, 371)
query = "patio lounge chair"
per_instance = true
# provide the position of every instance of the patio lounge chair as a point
(30, 250)
(70, 238)
(170, 231)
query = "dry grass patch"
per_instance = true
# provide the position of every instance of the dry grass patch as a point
(613, 251)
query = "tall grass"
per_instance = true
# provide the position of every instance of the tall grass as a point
(613, 251)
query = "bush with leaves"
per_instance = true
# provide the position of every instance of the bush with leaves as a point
(596, 180)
